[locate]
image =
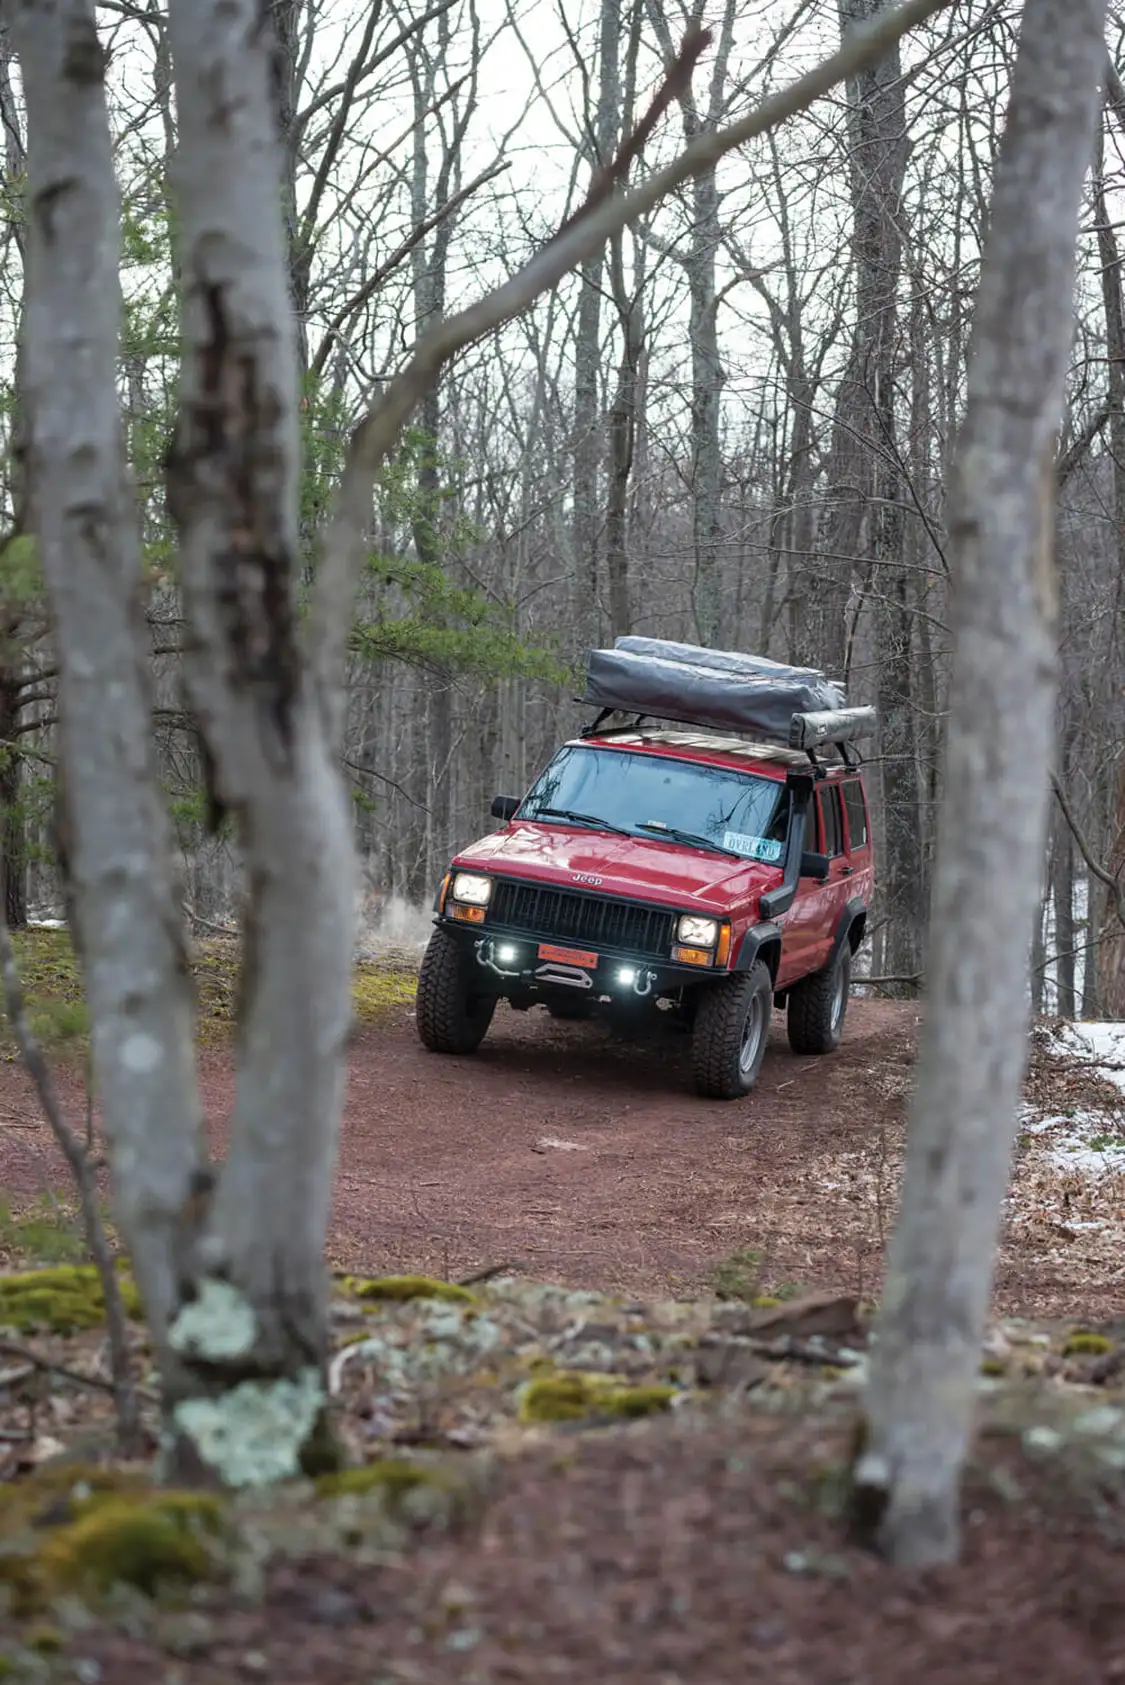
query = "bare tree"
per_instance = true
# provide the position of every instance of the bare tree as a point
(1111, 950)
(991, 831)
(600, 141)
(707, 373)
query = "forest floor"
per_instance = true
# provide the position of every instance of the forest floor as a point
(725, 1254)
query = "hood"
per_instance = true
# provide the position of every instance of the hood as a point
(669, 872)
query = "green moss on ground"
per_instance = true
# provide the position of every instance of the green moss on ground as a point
(377, 990)
(575, 1395)
(740, 1275)
(47, 1232)
(149, 1541)
(60, 1300)
(52, 987)
(391, 1477)
(1082, 1343)
(55, 998)
(399, 1288)
(86, 1529)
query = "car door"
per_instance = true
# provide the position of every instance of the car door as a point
(860, 857)
(837, 888)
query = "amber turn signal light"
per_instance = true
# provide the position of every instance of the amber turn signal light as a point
(691, 956)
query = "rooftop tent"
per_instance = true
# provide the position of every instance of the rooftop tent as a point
(728, 661)
(725, 691)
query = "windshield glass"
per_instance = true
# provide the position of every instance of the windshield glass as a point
(738, 812)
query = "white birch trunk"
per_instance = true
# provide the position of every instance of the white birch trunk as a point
(233, 485)
(117, 841)
(992, 828)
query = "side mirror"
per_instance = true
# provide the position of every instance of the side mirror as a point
(503, 807)
(815, 866)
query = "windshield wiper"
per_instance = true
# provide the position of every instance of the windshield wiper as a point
(674, 834)
(591, 819)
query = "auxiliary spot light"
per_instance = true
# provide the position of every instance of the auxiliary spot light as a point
(506, 953)
(627, 975)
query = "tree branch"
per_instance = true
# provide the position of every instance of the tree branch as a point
(356, 303)
(78, 1162)
(1068, 460)
(1096, 869)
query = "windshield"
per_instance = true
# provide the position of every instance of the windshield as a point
(737, 812)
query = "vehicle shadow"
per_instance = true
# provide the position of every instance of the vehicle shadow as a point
(653, 1058)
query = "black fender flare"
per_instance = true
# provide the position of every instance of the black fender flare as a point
(760, 936)
(850, 930)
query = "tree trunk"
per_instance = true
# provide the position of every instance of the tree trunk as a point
(865, 512)
(253, 1330)
(1066, 934)
(1111, 946)
(588, 352)
(926, 1356)
(115, 834)
(708, 375)
(13, 842)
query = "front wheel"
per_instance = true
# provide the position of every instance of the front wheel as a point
(817, 1007)
(730, 1032)
(450, 1018)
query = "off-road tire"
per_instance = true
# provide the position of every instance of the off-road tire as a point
(450, 1019)
(726, 1050)
(818, 1006)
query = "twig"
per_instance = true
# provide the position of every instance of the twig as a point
(489, 1272)
(1107, 878)
(122, 1386)
(47, 1366)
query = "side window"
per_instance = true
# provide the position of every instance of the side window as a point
(832, 820)
(857, 814)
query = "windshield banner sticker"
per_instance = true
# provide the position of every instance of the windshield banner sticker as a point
(754, 848)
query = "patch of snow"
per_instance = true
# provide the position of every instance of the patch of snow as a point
(1100, 1044)
(1091, 1143)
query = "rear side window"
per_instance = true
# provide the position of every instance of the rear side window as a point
(832, 821)
(856, 810)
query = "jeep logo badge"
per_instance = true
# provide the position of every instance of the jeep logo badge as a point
(586, 877)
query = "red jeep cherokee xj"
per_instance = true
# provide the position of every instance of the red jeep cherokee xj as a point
(701, 858)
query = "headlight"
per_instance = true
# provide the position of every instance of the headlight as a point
(467, 886)
(697, 933)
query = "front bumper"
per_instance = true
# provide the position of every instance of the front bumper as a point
(519, 962)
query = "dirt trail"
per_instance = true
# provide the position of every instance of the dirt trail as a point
(589, 1160)
(586, 1157)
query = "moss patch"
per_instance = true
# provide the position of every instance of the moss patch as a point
(48, 1232)
(61, 1300)
(1084, 1344)
(56, 1004)
(377, 990)
(399, 1288)
(392, 1477)
(739, 1276)
(52, 987)
(147, 1542)
(87, 1529)
(573, 1396)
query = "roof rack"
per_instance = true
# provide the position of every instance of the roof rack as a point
(653, 678)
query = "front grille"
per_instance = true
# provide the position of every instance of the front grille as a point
(592, 920)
